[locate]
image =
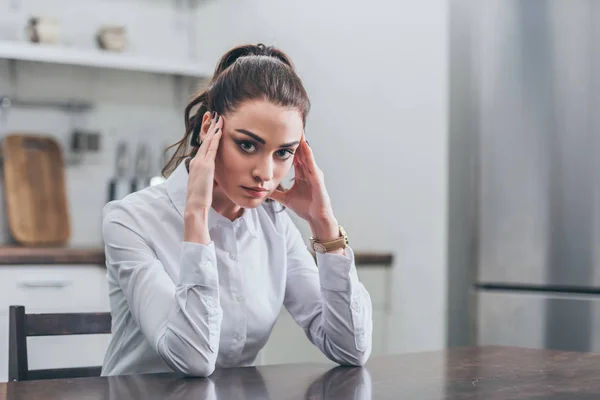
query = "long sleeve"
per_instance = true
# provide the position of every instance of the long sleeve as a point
(329, 302)
(180, 318)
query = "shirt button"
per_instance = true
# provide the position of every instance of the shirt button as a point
(238, 336)
(232, 256)
(211, 303)
(354, 305)
(361, 341)
(239, 298)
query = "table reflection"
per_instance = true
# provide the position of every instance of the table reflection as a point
(245, 383)
(341, 383)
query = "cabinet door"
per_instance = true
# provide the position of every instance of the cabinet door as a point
(538, 320)
(54, 288)
(380, 337)
(3, 347)
(289, 344)
(47, 289)
(377, 280)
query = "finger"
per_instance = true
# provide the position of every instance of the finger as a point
(299, 168)
(300, 154)
(208, 136)
(204, 146)
(297, 157)
(216, 123)
(213, 146)
(212, 127)
(309, 157)
(219, 123)
(303, 158)
(278, 195)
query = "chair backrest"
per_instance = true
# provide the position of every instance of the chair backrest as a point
(22, 325)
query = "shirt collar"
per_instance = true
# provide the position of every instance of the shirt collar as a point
(176, 185)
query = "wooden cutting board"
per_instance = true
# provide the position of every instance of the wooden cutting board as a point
(35, 190)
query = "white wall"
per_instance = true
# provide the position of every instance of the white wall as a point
(377, 75)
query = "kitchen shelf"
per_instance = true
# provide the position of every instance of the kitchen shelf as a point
(56, 54)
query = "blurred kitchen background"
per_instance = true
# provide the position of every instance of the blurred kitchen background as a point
(457, 138)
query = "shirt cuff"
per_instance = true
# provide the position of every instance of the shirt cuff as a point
(198, 265)
(337, 271)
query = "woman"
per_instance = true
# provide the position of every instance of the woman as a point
(200, 266)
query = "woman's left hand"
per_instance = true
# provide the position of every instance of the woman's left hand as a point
(308, 196)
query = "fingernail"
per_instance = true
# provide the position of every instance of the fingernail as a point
(308, 143)
(218, 119)
(212, 115)
(217, 131)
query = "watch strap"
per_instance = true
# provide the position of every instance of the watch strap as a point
(330, 245)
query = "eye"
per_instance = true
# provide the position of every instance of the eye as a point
(284, 154)
(247, 147)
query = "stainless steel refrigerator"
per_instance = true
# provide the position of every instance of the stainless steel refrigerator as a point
(536, 66)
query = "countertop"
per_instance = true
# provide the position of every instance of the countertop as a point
(51, 255)
(470, 373)
(95, 256)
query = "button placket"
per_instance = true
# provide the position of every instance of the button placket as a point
(238, 312)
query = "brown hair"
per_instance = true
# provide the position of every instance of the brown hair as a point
(249, 72)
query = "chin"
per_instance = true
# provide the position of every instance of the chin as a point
(249, 203)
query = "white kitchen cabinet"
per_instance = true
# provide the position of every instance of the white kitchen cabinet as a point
(54, 288)
(59, 289)
(4, 348)
(289, 344)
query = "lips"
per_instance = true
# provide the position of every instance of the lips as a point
(255, 191)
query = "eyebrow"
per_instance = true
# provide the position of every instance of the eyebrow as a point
(261, 140)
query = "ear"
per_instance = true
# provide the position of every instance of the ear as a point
(206, 121)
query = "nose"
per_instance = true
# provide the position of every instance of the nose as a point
(263, 171)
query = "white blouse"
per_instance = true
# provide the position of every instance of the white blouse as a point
(188, 307)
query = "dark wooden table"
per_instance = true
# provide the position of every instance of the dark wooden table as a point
(471, 373)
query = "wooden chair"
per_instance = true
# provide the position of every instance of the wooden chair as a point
(23, 325)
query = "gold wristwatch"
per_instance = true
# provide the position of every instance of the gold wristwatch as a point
(330, 245)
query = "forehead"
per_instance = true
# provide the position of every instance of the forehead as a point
(271, 122)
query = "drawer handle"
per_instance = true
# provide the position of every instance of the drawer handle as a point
(44, 284)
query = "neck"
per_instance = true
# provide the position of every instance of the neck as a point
(224, 206)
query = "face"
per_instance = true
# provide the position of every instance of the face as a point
(256, 151)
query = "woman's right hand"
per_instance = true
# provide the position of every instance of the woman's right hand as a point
(200, 184)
